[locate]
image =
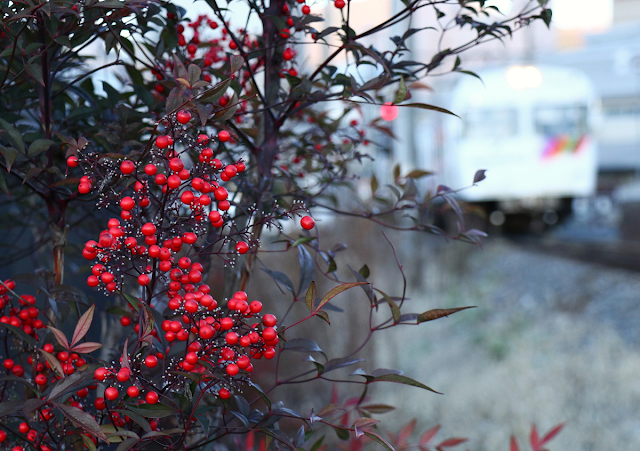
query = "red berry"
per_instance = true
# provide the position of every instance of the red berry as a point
(72, 161)
(151, 361)
(231, 338)
(111, 393)
(150, 169)
(306, 10)
(41, 379)
(133, 391)
(93, 281)
(24, 428)
(176, 164)
(162, 142)
(269, 334)
(224, 393)
(127, 167)
(100, 404)
(100, 374)
(255, 306)
(152, 397)
(339, 4)
(125, 321)
(242, 247)
(220, 195)
(287, 54)
(148, 229)
(207, 332)
(224, 136)
(3, 435)
(184, 116)
(143, 280)
(269, 320)
(123, 375)
(127, 203)
(232, 369)
(307, 223)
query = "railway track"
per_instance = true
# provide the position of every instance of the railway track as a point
(617, 254)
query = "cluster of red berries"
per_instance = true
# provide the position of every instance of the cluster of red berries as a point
(220, 345)
(24, 317)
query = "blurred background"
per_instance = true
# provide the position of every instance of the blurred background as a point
(555, 122)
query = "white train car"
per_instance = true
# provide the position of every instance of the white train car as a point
(530, 128)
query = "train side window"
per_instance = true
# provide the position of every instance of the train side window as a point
(490, 123)
(566, 120)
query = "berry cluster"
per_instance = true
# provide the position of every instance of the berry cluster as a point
(220, 344)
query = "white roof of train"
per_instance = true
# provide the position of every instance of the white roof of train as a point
(499, 86)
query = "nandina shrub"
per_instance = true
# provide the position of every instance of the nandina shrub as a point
(233, 141)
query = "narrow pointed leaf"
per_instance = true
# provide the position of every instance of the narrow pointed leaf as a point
(425, 106)
(336, 291)
(53, 362)
(236, 63)
(82, 419)
(451, 442)
(60, 336)
(430, 315)
(86, 348)
(514, 444)
(375, 437)
(551, 434)
(311, 296)
(12, 134)
(403, 380)
(363, 422)
(427, 436)
(84, 323)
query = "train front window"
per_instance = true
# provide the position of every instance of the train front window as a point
(555, 121)
(490, 123)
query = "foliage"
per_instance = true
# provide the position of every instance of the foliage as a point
(213, 138)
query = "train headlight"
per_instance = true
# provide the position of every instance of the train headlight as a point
(520, 77)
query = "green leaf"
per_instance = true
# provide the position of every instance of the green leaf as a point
(361, 423)
(3, 185)
(395, 310)
(310, 297)
(133, 302)
(13, 135)
(9, 154)
(303, 240)
(88, 442)
(194, 73)
(323, 316)
(140, 420)
(375, 437)
(418, 173)
(261, 393)
(301, 345)
(53, 362)
(153, 410)
(364, 271)
(400, 379)
(336, 291)
(82, 419)
(431, 315)
(127, 444)
(236, 63)
(35, 71)
(20, 333)
(9, 407)
(307, 270)
(68, 383)
(402, 91)
(39, 146)
(425, 106)
(377, 408)
(110, 4)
